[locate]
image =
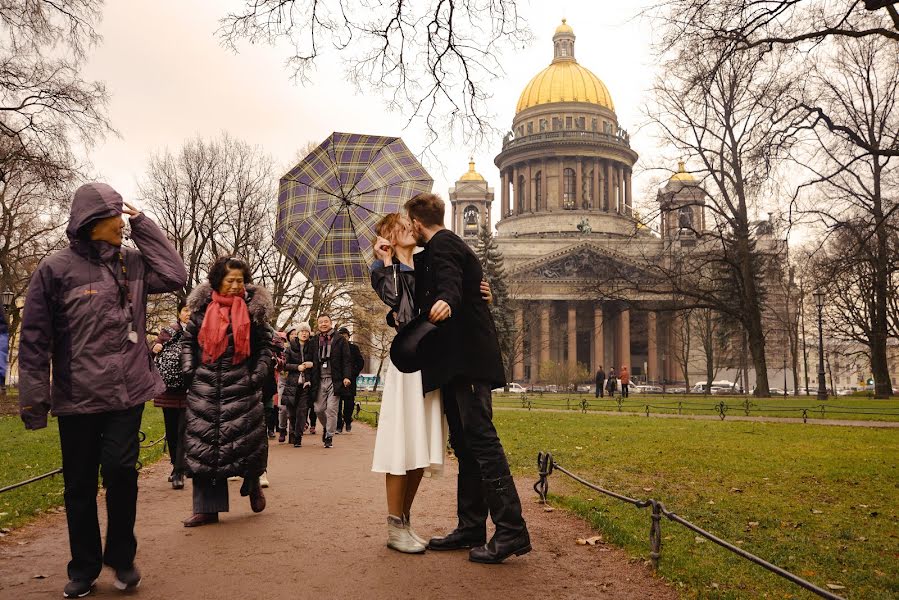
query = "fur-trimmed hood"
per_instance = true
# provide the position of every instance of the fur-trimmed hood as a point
(259, 301)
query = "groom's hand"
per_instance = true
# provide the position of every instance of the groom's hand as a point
(441, 311)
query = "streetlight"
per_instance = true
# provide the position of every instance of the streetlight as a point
(7, 298)
(819, 304)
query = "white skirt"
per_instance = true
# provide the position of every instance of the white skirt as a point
(412, 430)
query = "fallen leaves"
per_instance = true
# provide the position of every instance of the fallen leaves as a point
(835, 586)
(590, 541)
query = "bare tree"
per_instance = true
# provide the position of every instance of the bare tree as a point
(433, 60)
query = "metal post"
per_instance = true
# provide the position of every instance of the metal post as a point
(822, 386)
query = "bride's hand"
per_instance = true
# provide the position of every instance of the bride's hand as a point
(383, 249)
(486, 293)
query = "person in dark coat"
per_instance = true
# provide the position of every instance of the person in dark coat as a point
(612, 382)
(348, 396)
(301, 382)
(226, 354)
(85, 319)
(447, 288)
(173, 402)
(4, 348)
(600, 382)
(335, 368)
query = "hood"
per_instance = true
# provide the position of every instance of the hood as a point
(92, 201)
(259, 301)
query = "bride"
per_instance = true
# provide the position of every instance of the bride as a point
(412, 431)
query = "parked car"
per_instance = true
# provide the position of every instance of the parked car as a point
(647, 389)
(676, 390)
(514, 388)
(585, 388)
(721, 384)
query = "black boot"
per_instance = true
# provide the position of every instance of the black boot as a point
(471, 531)
(511, 535)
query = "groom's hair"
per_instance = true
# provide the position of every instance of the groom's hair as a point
(427, 209)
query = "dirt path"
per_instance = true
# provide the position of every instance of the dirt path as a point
(323, 536)
(810, 421)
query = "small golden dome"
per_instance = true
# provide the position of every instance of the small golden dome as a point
(564, 28)
(471, 175)
(682, 174)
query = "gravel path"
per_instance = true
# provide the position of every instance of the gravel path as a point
(323, 536)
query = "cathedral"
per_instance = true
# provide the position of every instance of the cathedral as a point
(567, 217)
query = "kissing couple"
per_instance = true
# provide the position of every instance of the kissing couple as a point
(445, 360)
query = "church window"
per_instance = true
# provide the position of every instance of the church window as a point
(564, 48)
(580, 123)
(594, 124)
(542, 125)
(520, 193)
(530, 127)
(521, 131)
(569, 193)
(568, 122)
(470, 218)
(685, 217)
(538, 190)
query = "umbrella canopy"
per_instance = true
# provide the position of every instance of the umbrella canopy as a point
(330, 202)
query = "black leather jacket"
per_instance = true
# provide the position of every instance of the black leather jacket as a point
(395, 285)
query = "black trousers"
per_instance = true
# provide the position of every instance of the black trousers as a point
(345, 411)
(312, 416)
(625, 388)
(108, 442)
(297, 414)
(599, 387)
(469, 414)
(175, 427)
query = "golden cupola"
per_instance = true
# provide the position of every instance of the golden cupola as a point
(682, 174)
(564, 80)
(471, 175)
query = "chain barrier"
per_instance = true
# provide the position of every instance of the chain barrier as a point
(546, 465)
(359, 409)
(141, 437)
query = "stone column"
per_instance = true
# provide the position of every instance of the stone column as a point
(652, 353)
(572, 333)
(578, 182)
(504, 178)
(560, 200)
(628, 200)
(544, 184)
(608, 186)
(544, 332)
(595, 196)
(619, 193)
(598, 340)
(624, 322)
(518, 348)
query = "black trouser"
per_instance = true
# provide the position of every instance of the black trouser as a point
(624, 389)
(107, 441)
(345, 411)
(175, 425)
(271, 418)
(482, 461)
(599, 383)
(296, 415)
(312, 416)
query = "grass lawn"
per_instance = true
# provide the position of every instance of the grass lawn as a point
(822, 502)
(26, 454)
(843, 407)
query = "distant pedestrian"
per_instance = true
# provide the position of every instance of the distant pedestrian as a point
(625, 377)
(612, 383)
(85, 319)
(348, 396)
(335, 368)
(600, 382)
(300, 383)
(173, 401)
(227, 354)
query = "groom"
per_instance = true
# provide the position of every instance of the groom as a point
(447, 289)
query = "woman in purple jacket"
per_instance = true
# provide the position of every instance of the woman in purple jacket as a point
(85, 318)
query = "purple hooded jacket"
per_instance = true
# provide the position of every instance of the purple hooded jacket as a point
(73, 318)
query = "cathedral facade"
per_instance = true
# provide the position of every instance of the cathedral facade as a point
(568, 225)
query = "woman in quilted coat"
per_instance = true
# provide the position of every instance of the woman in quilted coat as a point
(226, 356)
(173, 401)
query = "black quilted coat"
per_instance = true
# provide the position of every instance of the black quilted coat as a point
(225, 419)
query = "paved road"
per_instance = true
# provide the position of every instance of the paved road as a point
(323, 537)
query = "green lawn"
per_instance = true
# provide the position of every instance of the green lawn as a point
(26, 454)
(822, 502)
(843, 407)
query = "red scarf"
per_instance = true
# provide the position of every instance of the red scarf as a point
(213, 338)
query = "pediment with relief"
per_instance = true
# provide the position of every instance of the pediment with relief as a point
(584, 262)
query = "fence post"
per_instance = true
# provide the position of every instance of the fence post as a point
(655, 534)
(746, 406)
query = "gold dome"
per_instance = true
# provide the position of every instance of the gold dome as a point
(682, 174)
(564, 80)
(471, 175)
(564, 28)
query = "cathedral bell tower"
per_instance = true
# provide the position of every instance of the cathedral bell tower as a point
(681, 204)
(471, 199)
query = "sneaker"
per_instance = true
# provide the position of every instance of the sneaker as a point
(329, 441)
(263, 481)
(271, 435)
(298, 443)
(349, 428)
(312, 430)
(339, 431)
(282, 437)
(127, 579)
(177, 481)
(78, 588)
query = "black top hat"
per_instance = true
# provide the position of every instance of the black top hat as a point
(414, 345)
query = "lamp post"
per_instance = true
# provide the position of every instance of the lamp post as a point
(7, 298)
(819, 304)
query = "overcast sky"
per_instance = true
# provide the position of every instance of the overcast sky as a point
(171, 79)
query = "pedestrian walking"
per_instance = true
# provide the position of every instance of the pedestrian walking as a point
(173, 401)
(348, 396)
(227, 355)
(625, 377)
(335, 368)
(612, 383)
(600, 382)
(85, 319)
(300, 383)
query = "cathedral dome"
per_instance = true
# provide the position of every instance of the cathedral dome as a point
(682, 174)
(564, 80)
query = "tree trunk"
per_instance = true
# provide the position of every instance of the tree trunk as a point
(883, 387)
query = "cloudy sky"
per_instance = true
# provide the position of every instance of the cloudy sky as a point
(171, 79)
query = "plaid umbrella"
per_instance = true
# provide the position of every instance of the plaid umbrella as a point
(330, 202)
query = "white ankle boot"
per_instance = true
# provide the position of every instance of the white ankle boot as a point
(408, 523)
(399, 539)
